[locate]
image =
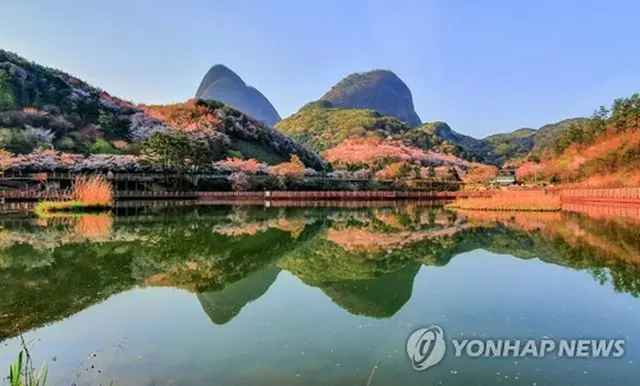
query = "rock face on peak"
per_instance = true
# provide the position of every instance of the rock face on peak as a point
(224, 85)
(379, 90)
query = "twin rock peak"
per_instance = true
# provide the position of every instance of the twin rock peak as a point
(379, 90)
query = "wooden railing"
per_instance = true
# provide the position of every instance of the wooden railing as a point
(26, 195)
(148, 176)
(116, 176)
(267, 195)
(621, 195)
(340, 195)
(152, 194)
(601, 194)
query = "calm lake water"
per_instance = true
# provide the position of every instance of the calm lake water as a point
(260, 295)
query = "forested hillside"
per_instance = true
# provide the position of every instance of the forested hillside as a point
(498, 149)
(320, 126)
(601, 151)
(43, 108)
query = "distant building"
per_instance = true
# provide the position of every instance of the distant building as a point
(505, 177)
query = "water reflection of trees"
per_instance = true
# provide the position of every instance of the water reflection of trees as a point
(365, 260)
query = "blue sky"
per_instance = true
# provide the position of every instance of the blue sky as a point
(482, 66)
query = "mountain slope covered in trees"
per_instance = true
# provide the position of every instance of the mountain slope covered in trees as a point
(601, 151)
(320, 126)
(224, 85)
(44, 108)
(498, 149)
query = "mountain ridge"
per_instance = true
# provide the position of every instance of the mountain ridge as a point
(500, 148)
(222, 84)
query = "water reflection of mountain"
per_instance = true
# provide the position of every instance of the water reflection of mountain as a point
(380, 297)
(364, 259)
(225, 304)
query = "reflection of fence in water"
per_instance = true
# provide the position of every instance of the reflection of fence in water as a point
(603, 211)
(320, 203)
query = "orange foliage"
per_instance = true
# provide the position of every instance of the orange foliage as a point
(32, 111)
(628, 178)
(591, 165)
(6, 160)
(478, 173)
(184, 116)
(120, 145)
(291, 169)
(529, 170)
(357, 239)
(393, 170)
(250, 165)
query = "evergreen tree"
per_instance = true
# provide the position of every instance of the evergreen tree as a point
(7, 101)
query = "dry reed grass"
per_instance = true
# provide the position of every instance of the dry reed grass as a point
(531, 200)
(93, 191)
(87, 192)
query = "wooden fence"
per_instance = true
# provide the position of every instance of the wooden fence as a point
(158, 176)
(31, 195)
(618, 195)
(614, 194)
(337, 195)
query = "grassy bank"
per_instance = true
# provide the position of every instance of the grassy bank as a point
(46, 208)
(539, 201)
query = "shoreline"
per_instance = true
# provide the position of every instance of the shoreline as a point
(627, 196)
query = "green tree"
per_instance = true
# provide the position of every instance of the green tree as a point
(162, 150)
(404, 171)
(600, 118)
(102, 146)
(7, 100)
(635, 111)
(66, 143)
(113, 126)
(177, 153)
(432, 173)
(17, 142)
(575, 133)
(622, 113)
(453, 174)
(5, 160)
